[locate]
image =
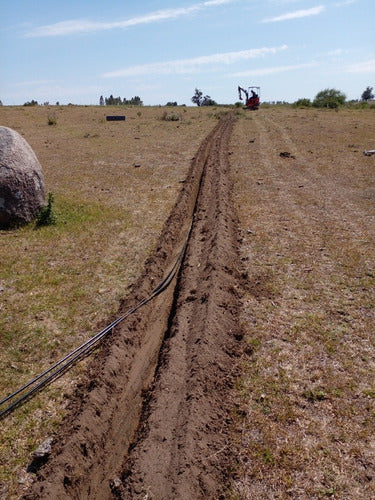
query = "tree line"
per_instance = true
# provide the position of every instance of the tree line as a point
(327, 98)
(117, 101)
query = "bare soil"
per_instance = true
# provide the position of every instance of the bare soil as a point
(124, 439)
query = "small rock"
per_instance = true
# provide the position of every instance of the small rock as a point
(25, 480)
(117, 488)
(44, 450)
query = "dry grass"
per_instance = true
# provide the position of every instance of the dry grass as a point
(307, 389)
(114, 185)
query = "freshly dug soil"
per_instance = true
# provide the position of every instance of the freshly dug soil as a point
(152, 419)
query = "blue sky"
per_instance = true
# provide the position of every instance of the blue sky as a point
(161, 50)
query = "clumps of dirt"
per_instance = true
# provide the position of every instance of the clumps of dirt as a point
(286, 154)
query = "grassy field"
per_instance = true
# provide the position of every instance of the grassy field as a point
(114, 184)
(305, 196)
(306, 200)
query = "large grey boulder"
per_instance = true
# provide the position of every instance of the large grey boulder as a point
(22, 191)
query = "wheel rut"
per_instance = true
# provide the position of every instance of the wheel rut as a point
(153, 418)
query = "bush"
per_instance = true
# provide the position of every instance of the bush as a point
(170, 117)
(303, 103)
(329, 98)
(207, 101)
(51, 120)
(47, 215)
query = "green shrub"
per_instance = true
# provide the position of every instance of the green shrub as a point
(170, 117)
(303, 103)
(329, 98)
(47, 215)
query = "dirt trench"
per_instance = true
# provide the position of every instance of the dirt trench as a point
(153, 418)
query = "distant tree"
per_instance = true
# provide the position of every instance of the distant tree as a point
(170, 103)
(329, 98)
(136, 101)
(101, 101)
(31, 103)
(197, 97)
(57, 103)
(201, 100)
(367, 94)
(109, 100)
(117, 101)
(1, 103)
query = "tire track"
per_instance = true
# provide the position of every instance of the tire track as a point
(188, 411)
(326, 192)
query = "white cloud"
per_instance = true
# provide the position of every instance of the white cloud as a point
(298, 14)
(76, 26)
(362, 67)
(273, 70)
(191, 65)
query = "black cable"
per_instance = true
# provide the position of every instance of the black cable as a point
(58, 368)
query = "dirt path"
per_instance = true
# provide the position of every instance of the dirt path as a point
(178, 431)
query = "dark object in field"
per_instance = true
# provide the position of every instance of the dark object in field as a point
(286, 154)
(115, 118)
